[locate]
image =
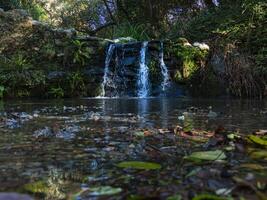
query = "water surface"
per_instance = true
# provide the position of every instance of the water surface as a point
(90, 135)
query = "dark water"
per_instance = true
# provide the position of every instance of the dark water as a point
(96, 133)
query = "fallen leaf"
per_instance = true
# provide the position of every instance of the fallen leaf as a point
(252, 166)
(206, 156)
(139, 165)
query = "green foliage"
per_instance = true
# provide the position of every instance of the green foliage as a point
(77, 85)
(178, 78)
(136, 31)
(18, 62)
(18, 76)
(154, 72)
(242, 24)
(81, 52)
(34, 7)
(56, 92)
(191, 58)
(2, 89)
(48, 51)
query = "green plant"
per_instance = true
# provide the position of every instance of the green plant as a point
(2, 89)
(16, 62)
(136, 31)
(77, 85)
(190, 57)
(56, 92)
(81, 52)
(48, 50)
(22, 93)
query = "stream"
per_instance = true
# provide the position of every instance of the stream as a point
(56, 149)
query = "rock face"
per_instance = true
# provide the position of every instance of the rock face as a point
(48, 60)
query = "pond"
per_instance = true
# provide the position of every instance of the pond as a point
(69, 149)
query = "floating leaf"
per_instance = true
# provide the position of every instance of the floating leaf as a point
(257, 140)
(139, 134)
(206, 155)
(139, 165)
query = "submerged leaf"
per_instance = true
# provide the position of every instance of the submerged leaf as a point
(252, 166)
(257, 154)
(206, 155)
(139, 165)
(104, 190)
(208, 197)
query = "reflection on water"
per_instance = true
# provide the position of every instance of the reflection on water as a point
(66, 163)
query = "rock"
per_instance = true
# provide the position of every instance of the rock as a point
(36, 23)
(56, 75)
(124, 40)
(202, 46)
(2, 12)
(45, 132)
(129, 61)
(12, 123)
(68, 132)
(14, 196)
(94, 116)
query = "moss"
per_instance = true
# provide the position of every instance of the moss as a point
(191, 59)
(178, 78)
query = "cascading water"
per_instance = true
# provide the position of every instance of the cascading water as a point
(106, 70)
(143, 75)
(164, 69)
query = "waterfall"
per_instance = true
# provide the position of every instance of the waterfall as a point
(106, 70)
(143, 75)
(164, 69)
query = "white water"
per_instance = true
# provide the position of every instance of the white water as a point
(164, 69)
(106, 71)
(143, 75)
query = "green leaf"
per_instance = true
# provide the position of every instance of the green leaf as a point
(103, 190)
(139, 134)
(208, 197)
(139, 165)
(206, 156)
(257, 140)
(252, 166)
(175, 197)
